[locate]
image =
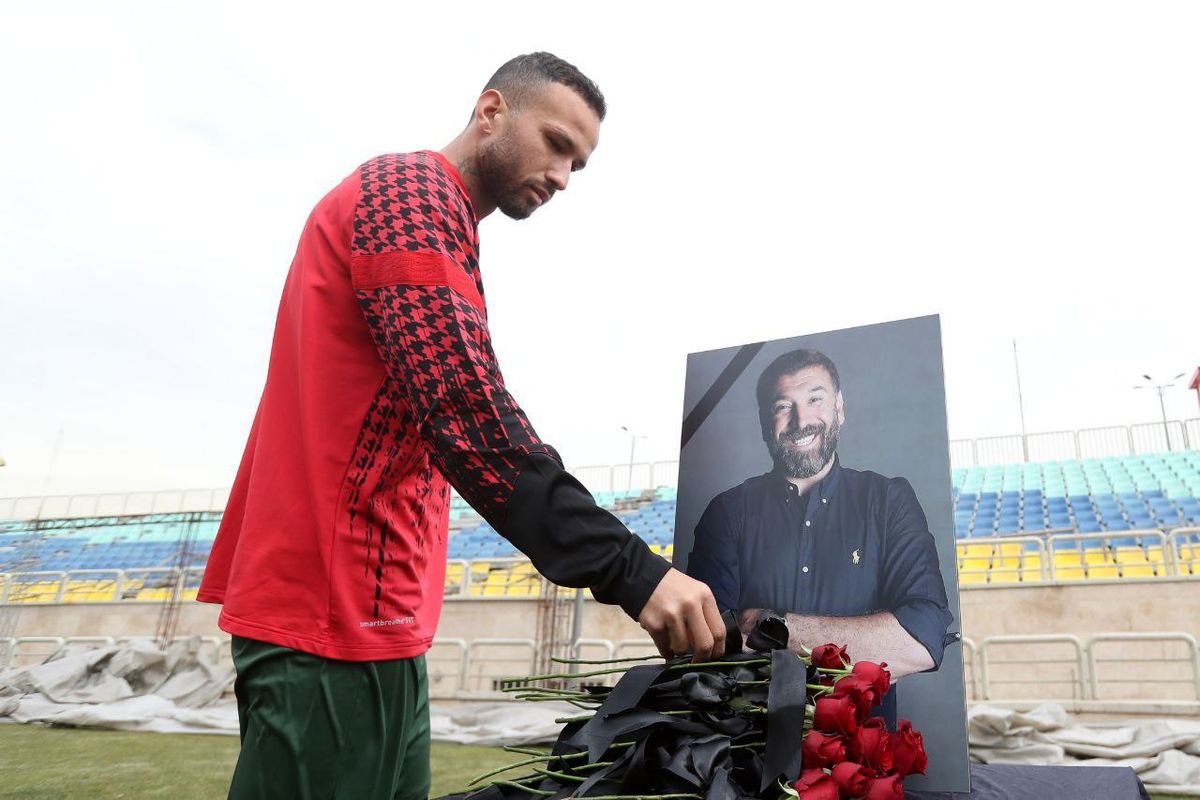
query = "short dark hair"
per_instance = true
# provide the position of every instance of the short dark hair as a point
(520, 76)
(789, 364)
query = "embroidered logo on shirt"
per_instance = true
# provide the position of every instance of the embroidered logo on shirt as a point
(855, 557)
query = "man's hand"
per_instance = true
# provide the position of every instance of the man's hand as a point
(682, 616)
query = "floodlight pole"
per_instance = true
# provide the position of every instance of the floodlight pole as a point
(1021, 404)
(1161, 388)
(633, 437)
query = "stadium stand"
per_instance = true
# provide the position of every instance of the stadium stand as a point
(1115, 535)
(1106, 518)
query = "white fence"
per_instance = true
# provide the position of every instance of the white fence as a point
(1116, 440)
(142, 584)
(602, 478)
(1068, 557)
(76, 506)
(1113, 670)
(986, 560)
(29, 650)
(1104, 672)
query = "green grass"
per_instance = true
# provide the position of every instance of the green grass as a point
(39, 763)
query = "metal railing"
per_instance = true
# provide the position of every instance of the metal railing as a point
(446, 672)
(1114, 440)
(1183, 547)
(1009, 669)
(137, 584)
(1014, 669)
(508, 658)
(1148, 669)
(122, 504)
(970, 676)
(1005, 560)
(1144, 665)
(29, 650)
(1019, 671)
(983, 560)
(641, 476)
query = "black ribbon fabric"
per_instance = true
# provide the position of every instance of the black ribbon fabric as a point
(786, 700)
(690, 752)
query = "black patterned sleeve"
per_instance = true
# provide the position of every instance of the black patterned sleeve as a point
(424, 309)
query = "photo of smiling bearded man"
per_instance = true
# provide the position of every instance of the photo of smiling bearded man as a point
(844, 555)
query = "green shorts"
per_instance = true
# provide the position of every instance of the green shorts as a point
(318, 728)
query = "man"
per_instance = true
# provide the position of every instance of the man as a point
(846, 554)
(383, 387)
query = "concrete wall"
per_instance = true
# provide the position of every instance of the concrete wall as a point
(1048, 671)
(1079, 609)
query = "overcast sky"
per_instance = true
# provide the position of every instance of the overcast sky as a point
(1028, 170)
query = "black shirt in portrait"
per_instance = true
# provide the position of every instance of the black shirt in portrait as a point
(854, 544)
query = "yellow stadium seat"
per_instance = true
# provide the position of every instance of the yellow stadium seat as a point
(1143, 570)
(1010, 549)
(967, 578)
(975, 551)
(40, 592)
(1103, 571)
(975, 564)
(1097, 556)
(89, 591)
(1132, 555)
(1004, 576)
(1068, 567)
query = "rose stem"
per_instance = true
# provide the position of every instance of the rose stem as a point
(690, 665)
(524, 788)
(557, 660)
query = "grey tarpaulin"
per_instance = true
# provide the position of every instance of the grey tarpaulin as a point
(1165, 753)
(130, 687)
(1016, 782)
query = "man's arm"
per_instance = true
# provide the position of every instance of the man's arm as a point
(909, 634)
(428, 324)
(877, 637)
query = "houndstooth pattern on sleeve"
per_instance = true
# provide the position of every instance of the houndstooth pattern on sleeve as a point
(434, 341)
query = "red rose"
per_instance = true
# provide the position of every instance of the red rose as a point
(909, 749)
(830, 656)
(815, 784)
(860, 690)
(835, 715)
(877, 674)
(821, 750)
(852, 779)
(888, 788)
(872, 746)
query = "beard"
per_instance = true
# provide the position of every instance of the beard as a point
(796, 463)
(499, 177)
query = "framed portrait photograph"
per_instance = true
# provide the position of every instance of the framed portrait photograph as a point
(814, 484)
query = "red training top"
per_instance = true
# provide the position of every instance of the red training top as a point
(382, 385)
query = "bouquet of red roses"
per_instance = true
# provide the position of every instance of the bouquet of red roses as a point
(847, 753)
(763, 723)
